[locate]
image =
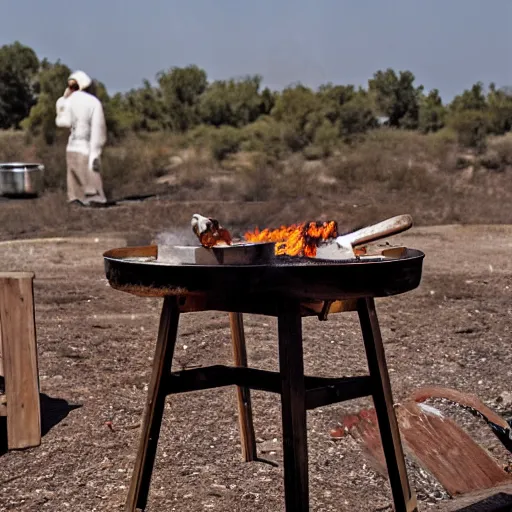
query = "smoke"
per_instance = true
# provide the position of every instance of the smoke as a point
(177, 237)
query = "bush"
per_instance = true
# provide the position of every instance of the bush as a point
(313, 152)
(431, 118)
(14, 147)
(134, 165)
(499, 155)
(503, 148)
(491, 160)
(233, 102)
(471, 127)
(299, 110)
(355, 118)
(462, 163)
(444, 136)
(325, 140)
(264, 136)
(293, 138)
(200, 136)
(225, 141)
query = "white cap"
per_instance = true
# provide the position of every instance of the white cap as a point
(82, 79)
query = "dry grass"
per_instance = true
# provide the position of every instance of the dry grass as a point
(152, 163)
(387, 172)
(15, 147)
(499, 153)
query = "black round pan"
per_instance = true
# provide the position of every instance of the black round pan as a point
(138, 270)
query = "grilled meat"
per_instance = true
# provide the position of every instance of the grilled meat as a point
(209, 231)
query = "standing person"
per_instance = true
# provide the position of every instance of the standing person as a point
(82, 112)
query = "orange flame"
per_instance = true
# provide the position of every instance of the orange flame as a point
(297, 239)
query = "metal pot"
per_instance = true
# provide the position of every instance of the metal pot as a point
(21, 179)
(248, 253)
(259, 253)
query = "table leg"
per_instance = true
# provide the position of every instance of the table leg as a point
(293, 404)
(247, 435)
(141, 477)
(404, 499)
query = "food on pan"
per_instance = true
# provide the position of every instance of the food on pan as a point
(209, 232)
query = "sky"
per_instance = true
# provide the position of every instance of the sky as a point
(447, 44)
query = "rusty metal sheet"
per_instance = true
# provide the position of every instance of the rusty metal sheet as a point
(448, 452)
(459, 464)
(499, 426)
(467, 400)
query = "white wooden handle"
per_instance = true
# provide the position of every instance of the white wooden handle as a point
(377, 231)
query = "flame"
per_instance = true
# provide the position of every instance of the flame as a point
(296, 239)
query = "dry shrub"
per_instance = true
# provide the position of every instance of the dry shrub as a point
(54, 160)
(17, 146)
(386, 164)
(405, 144)
(14, 147)
(225, 141)
(132, 166)
(472, 127)
(502, 148)
(396, 160)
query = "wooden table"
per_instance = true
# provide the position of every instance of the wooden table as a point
(299, 393)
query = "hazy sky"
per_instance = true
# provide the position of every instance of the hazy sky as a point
(448, 44)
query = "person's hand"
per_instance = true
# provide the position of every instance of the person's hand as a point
(72, 87)
(96, 165)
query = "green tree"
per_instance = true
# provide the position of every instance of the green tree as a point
(300, 111)
(234, 102)
(18, 66)
(49, 86)
(472, 127)
(333, 97)
(470, 99)
(115, 124)
(350, 110)
(225, 141)
(471, 117)
(268, 100)
(264, 136)
(181, 89)
(499, 102)
(432, 113)
(356, 116)
(123, 117)
(141, 108)
(396, 97)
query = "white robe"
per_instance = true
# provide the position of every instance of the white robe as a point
(83, 114)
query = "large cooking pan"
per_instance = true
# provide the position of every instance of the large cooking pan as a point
(21, 179)
(145, 271)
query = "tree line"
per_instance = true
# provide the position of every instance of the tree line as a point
(241, 114)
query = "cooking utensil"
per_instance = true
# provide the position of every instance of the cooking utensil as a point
(21, 179)
(375, 254)
(342, 247)
(236, 254)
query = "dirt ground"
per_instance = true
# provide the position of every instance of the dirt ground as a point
(95, 352)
